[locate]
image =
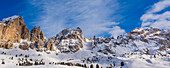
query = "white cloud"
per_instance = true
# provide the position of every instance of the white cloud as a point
(160, 6)
(116, 31)
(92, 16)
(152, 19)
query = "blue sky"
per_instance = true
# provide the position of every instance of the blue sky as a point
(95, 17)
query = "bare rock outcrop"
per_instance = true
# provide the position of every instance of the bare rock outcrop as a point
(39, 45)
(49, 45)
(13, 29)
(38, 39)
(24, 46)
(37, 34)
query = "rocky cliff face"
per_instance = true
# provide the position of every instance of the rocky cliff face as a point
(13, 29)
(37, 34)
(37, 38)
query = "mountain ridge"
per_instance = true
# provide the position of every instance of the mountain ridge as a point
(70, 46)
(68, 39)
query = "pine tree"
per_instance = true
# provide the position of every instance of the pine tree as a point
(122, 63)
(97, 66)
(94, 37)
(3, 61)
(91, 66)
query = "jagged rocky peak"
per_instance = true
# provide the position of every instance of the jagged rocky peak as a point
(37, 38)
(37, 34)
(68, 40)
(13, 29)
(71, 34)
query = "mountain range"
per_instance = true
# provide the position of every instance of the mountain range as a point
(146, 47)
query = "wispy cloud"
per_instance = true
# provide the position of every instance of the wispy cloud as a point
(93, 16)
(152, 19)
(116, 30)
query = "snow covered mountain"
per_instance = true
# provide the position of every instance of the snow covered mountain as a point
(143, 40)
(68, 40)
(140, 48)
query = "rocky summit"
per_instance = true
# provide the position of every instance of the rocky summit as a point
(12, 30)
(149, 47)
(68, 40)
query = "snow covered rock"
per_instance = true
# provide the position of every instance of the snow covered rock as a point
(69, 40)
(142, 40)
(24, 46)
